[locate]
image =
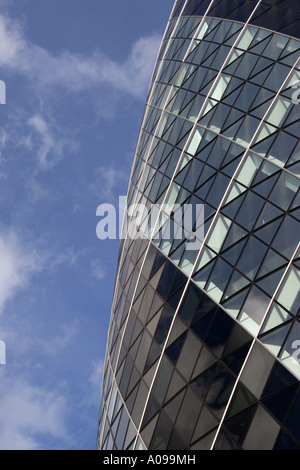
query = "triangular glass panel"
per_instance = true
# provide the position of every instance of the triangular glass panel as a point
(231, 68)
(293, 129)
(231, 131)
(231, 167)
(235, 234)
(273, 341)
(267, 232)
(280, 379)
(238, 426)
(269, 283)
(159, 260)
(233, 253)
(203, 153)
(234, 304)
(233, 117)
(260, 46)
(263, 147)
(231, 209)
(179, 178)
(174, 349)
(201, 277)
(232, 96)
(241, 400)
(204, 188)
(261, 110)
(202, 327)
(269, 212)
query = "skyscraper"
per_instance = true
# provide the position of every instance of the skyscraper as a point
(203, 346)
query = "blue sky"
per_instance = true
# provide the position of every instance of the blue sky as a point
(77, 74)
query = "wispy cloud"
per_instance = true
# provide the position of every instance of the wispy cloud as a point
(50, 144)
(29, 414)
(98, 271)
(55, 345)
(109, 179)
(77, 72)
(18, 264)
(68, 257)
(95, 383)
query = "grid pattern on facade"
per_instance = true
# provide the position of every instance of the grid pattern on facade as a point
(277, 15)
(201, 342)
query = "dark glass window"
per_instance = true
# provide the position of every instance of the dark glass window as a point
(219, 332)
(279, 404)
(292, 422)
(174, 350)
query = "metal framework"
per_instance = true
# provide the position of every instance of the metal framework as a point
(202, 345)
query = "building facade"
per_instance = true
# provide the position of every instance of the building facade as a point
(203, 346)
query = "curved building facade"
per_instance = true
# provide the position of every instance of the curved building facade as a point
(203, 346)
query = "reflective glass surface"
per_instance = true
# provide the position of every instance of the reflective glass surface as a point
(203, 347)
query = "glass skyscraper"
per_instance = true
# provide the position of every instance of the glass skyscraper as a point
(203, 347)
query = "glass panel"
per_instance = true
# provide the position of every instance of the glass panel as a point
(257, 369)
(247, 38)
(186, 420)
(205, 423)
(277, 76)
(247, 130)
(265, 131)
(220, 87)
(291, 352)
(252, 257)
(162, 380)
(275, 46)
(275, 340)
(292, 423)
(279, 112)
(249, 210)
(220, 391)
(284, 191)
(276, 316)
(262, 433)
(287, 237)
(173, 351)
(219, 332)
(282, 148)
(289, 293)
(254, 310)
(219, 232)
(249, 169)
(188, 356)
(195, 141)
(218, 279)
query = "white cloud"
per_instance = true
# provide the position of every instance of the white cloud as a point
(76, 72)
(11, 41)
(98, 270)
(29, 414)
(55, 345)
(17, 265)
(69, 257)
(95, 380)
(51, 145)
(108, 181)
